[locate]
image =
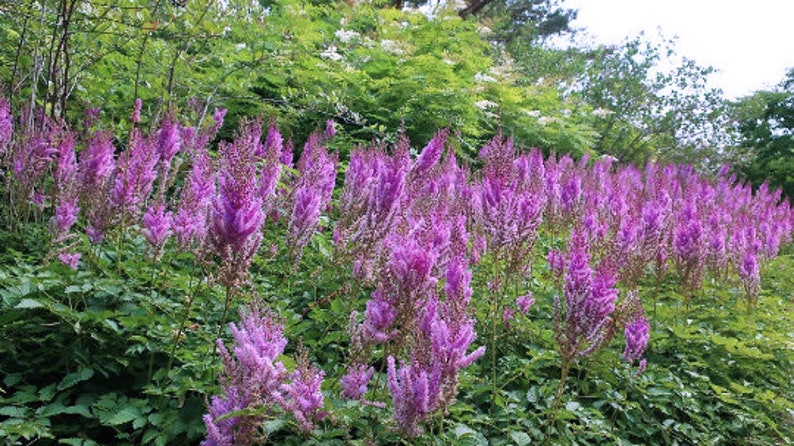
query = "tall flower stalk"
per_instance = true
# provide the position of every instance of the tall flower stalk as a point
(237, 214)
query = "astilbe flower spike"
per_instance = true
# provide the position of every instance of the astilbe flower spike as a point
(237, 214)
(6, 127)
(582, 320)
(252, 378)
(65, 189)
(354, 382)
(135, 176)
(33, 153)
(96, 165)
(637, 333)
(158, 223)
(312, 194)
(303, 396)
(190, 223)
(414, 393)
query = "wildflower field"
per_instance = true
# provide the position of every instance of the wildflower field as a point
(159, 287)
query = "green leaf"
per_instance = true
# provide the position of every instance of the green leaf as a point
(13, 411)
(73, 378)
(29, 304)
(124, 415)
(520, 438)
(275, 425)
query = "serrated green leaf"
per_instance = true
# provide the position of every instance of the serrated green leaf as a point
(73, 378)
(13, 411)
(520, 438)
(12, 379)
(29, 304)
(462, 430)
(275, 425)
(123, 415)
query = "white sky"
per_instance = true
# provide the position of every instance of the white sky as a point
(750, 43)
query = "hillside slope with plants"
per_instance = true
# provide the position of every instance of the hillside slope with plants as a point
(168, 293)
(294, 222)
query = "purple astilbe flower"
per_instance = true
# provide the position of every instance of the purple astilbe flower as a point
(750, 275)
(69, 259)
(717, 258)
(32, 155)
(379, 318)
(168, 140)
(509, 205)
(443, 333)
(252, 378)
(688, 248)
(556, 260)
(6, 127)
(65, 174)
(354, 382)
(582, 320)
(271, 168)
(571, 192)
(135, 117)
(90, 117)
(303, 396)
(237, 214)
(135, 176)
(414, 391)
(66, 212)
(190, 223)
(168, 145)
(312, 194)
(508, 316)
(225, 431)
(65, 189)
(449, 344)
(410, 266)
(350, 231)
(369, 203)
(305, 217)
(525, 302)
(430, 155)
(96, 163)
(157, 226)
(217, 116)
(457, 288)
(330, 129)
(637, 335)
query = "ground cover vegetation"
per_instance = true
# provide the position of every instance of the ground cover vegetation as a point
(483, 242)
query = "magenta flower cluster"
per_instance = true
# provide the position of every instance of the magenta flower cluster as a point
(254, 379)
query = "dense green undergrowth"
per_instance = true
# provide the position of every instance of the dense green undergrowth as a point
(121, 352)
